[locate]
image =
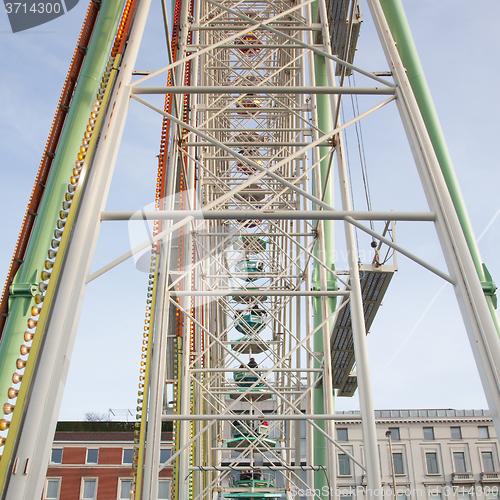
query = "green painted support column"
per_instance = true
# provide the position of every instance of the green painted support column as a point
(325, 123)
(28, 276)
(400, 29)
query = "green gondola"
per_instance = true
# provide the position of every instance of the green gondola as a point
(240, 429)
(252, 479)
(251, 268)
(256, 394)
(252, 483)
(246, 379)
(250, 323)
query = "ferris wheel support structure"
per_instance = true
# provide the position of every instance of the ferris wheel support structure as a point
(247, 269)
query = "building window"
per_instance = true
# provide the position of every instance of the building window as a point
(483, 432)
(491, 495)
(56, 456)
(52, 489)
(344, 465)
(456, 433)
(128, 456)
(434, 496)
(345, 497)
(429, 433)
(463, 495)
(402, 496)
(342, 435)
(89, 489)
(395, 436)
(125, 487)
(432, 463)
(165, 454)
(163, 489)
(459, 461)
(397, 459)
(92, 455)
(487, 457)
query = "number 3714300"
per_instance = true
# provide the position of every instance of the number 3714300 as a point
(35, 8)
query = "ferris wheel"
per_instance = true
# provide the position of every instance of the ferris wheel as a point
(250, 328)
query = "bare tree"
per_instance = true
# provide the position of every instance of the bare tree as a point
(93, 416)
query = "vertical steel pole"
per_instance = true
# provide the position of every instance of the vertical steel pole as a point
(323, 402)
(373, 481)
(327, 105)
(185, 382)
(405, 45)
(393, 472)
(184, 375)
(158, 370)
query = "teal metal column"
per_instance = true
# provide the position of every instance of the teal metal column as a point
(28, 276)
(325, 123)
(400, 29)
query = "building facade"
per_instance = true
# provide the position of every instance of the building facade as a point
(98, 464)
(437, 455)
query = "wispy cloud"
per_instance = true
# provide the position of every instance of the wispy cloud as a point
(429, 306)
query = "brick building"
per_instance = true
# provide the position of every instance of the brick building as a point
(93, 461)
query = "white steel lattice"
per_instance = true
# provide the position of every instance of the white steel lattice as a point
(247, 330)
(255, 131)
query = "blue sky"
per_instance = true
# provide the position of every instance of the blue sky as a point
(419, 351)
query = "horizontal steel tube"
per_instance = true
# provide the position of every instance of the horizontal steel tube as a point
(259, 293)
(283, 392)
(254, 46)
(267, 214)
(244, 274)
(255, 144)
(253, 89)
(242, 448)
(269, 144)
(201, 468)
(275, 111)
(225, 370)
(239, 416)
(212, 235)
(295, 27)
(261, 130)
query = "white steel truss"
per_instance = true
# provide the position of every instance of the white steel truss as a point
(248, 331)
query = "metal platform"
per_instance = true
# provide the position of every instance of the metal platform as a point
(374, 283)
(338, 20)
